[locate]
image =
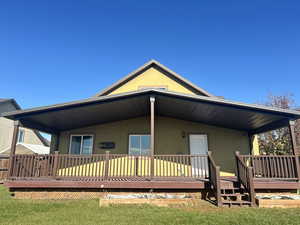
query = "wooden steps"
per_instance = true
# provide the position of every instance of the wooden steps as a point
(232, 193)
(235, 196)
(240, 203)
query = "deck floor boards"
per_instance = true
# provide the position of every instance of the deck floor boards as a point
(145, 183)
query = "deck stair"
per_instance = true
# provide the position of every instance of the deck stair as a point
(229, 191)
(233, 194)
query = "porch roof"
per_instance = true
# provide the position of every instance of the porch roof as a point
(210, 110)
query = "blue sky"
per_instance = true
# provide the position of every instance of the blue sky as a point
(58, 51)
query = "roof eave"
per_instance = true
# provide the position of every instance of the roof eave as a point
(20, 113)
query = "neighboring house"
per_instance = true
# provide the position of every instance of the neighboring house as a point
(158, 128)
(29, 141)
(24, 148)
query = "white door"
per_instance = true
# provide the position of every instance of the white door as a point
(199, 146)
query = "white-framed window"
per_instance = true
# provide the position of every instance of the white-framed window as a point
(81, 144)
(21, 135)
(139, 144)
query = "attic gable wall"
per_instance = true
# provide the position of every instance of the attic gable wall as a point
(152, 78)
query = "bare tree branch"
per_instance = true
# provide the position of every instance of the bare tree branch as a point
(278, 141)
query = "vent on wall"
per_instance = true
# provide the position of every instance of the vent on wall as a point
(157, 87)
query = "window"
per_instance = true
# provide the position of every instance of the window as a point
(139, 144)
(157, 87)
(21, 135)
(81, 144)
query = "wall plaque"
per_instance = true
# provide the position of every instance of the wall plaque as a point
(107, 145)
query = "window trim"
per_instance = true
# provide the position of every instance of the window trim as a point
(23, 131)
(81, 135)
(141, 134)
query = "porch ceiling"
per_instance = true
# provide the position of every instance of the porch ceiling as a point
(209, 110)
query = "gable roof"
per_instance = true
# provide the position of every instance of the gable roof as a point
(38, 149)
(12, 101)
(154, 64)
(17, 106)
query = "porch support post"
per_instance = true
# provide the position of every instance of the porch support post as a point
(293, 141)
(54, 142)
(152, 101)
(13, 147)
(293, 136)
(251, 138)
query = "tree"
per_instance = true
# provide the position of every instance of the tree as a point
(278, 141)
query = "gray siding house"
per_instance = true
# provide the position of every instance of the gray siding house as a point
(29, 141)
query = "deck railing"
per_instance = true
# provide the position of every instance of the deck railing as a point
(4, 161)
(284, 167)
(108, 166)
(214, 178)
(245, 176)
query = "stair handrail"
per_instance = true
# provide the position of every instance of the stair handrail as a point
(245, 177)
(214, 178)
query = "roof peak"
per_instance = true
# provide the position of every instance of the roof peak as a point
(145, 67)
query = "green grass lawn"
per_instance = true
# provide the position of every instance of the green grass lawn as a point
(82, 212)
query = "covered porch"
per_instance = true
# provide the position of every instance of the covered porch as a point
(169, 163)
(109, 171)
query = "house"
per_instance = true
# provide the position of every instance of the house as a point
(155, 130)
(29, 141)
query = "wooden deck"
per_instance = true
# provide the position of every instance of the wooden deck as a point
(157, 172)
(136, 183)
(150, 172)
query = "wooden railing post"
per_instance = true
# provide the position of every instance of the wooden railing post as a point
(11, 165)
(297, 166)
(55, 164)
(106, 171)
(209, 155)
(214, 178)
(237, 155)
(13, 148)
(218, 187)
(136, 165)
(245, 177)
(251, 186)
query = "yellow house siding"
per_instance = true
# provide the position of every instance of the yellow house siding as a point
(152, 77)
(171, 137)
(255, 144)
